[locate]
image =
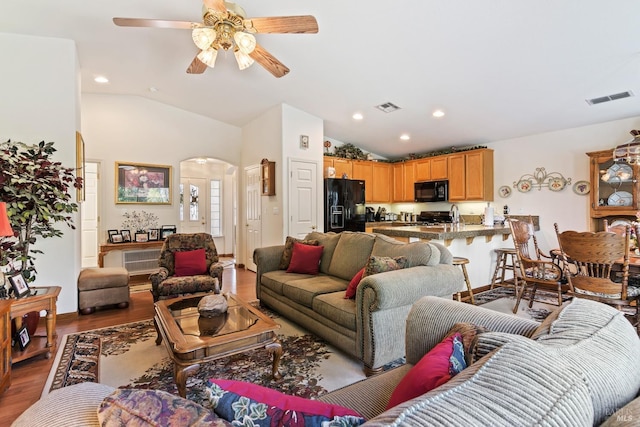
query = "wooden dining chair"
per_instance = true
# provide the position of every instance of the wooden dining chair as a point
(536, 268)
(592, 256)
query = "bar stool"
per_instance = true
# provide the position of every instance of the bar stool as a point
(504, 255)
(462, 262)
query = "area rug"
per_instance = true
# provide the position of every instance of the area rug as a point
(126, 356)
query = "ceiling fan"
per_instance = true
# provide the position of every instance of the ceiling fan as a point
(225, 26)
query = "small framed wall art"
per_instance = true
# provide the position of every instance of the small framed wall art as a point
(140, 183)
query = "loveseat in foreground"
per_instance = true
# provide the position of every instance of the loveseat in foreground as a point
(371, 326)
(578, 368)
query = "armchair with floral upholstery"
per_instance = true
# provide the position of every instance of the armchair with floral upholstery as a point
(187, 272)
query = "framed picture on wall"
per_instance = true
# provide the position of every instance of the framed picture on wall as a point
(140, 183)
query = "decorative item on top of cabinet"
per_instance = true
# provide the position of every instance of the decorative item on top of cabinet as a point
(540, 178)
(268, 177)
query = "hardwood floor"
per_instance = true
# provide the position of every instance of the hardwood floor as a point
(28, 377)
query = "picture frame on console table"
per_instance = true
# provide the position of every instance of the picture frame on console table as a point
(126, 235)
(142, 237)
(167, 230)
(19, 285)
(141, 183)
(154, 234)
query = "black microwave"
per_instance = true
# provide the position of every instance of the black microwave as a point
(431, 191)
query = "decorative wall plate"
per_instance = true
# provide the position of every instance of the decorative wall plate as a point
(557, 184)
(618, 172)
(524, 186)
(620, 198)
(582, 187)
(504, 191)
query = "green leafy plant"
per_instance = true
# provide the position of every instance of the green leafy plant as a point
(36, 190)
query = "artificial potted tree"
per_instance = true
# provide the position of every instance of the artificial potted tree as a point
(36, 190)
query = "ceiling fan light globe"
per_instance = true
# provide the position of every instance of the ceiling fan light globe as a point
(246, 42)
(203, 37)
(244, 60)
(208, 57)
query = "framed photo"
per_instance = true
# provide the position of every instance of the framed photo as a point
(142, 237)
(19, 285)
(143, 183)
(167, 230)
(117, 238)
(154, 234)
(22, 337)
(126, 235)
(111, 234)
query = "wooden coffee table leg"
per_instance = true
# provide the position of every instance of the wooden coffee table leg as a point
(180, 375)
(275, 348)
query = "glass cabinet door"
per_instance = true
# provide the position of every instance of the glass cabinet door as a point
(614, 186)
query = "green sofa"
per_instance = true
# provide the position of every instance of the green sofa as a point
(371, 326)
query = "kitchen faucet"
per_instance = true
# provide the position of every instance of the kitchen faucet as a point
(455, 214)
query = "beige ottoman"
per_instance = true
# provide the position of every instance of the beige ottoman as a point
(99, 287)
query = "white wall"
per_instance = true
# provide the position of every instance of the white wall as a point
(38, 83)
(136, 129)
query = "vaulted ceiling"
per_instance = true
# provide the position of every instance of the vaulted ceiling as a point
(499, 69)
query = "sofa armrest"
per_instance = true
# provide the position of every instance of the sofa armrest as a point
(157, 278)
(431, 318)
(383, 302)
(266, 259)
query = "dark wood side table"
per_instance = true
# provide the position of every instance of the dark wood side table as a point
(45, 298)
(5, 345)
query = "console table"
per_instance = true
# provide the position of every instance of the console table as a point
(45, 298)
(128, 246)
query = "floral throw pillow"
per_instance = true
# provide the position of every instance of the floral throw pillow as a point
(288, 250)
(380, 264)
(246, 404)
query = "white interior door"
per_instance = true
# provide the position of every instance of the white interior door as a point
(89, 217)
(303, 200)
(193, 209)
(253, 224)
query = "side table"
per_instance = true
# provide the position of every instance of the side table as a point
(44, 299)
(5, 345)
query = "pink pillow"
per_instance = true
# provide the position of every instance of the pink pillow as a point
(281, 409)
(190, 263)
(430, 372)
(305, 259)
(353, 284)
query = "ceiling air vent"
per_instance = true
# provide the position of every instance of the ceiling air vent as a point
(388, 107)
(621, 95)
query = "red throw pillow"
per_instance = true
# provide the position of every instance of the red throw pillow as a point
(430, 372)
(305, 259)
(190, 263)
(353, 285)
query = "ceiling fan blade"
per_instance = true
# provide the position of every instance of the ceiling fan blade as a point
(155, 23)
(304, 24)
(268, 61)
(196, 66)
(215, 5)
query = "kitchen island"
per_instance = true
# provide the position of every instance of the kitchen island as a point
(473, 241)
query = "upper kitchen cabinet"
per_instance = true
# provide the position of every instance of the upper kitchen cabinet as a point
(614, 186)
(470, 175)
(382, 182)
(363, 170)
(404, 176)
(341, 166)
(431, 168)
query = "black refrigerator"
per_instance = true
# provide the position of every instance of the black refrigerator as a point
(344, 205)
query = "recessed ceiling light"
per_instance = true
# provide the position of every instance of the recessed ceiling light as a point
(101, 79)
(438, 114)
(358, 116)
(405, 137)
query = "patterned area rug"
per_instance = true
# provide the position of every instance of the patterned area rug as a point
(126, 356)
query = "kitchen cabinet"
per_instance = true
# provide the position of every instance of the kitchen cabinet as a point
(404, 176)
(363, 170)
(431, 168)
(614, 188)
(470, 175)
(382, 182)
(343, 167)
(327, 162)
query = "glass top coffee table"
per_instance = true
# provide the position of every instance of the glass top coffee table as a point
(192, 339)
